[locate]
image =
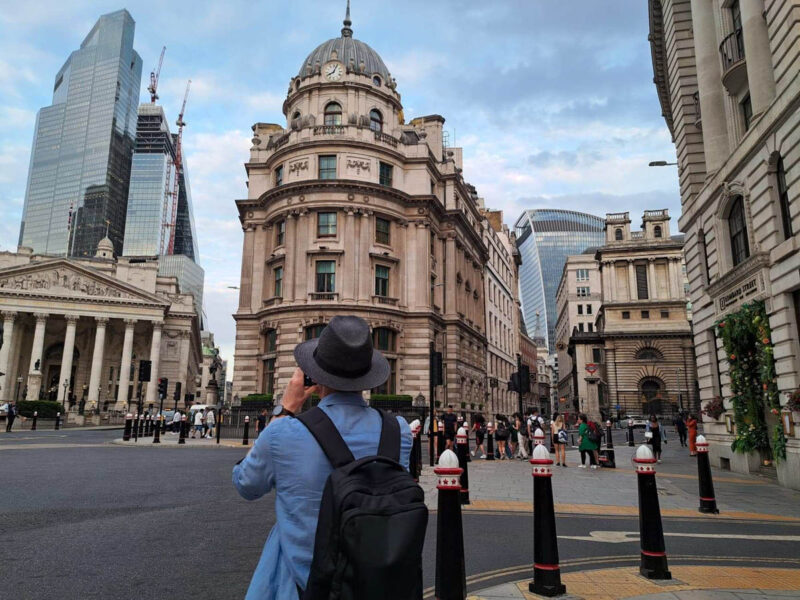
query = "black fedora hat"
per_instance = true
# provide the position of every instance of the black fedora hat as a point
(342, 357)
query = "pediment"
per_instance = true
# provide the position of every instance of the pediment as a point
(65, 279)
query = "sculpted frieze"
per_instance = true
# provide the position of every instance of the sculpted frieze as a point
(61, 282)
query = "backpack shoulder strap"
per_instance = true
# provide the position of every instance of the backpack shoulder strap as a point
(389, 446)
(327, 436)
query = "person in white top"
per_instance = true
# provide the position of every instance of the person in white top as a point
(210, 423)
(198, 423)
(176, 421)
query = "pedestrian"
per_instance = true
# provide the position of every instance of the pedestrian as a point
(211, 422)
(479, 427)
(691, 425)
(587, 446)
(656, 436)
(559, 433)
(261, 421)
(342, 363)
(10, 416)
(176, 422)
(198, 423)
(501, 435)
(680, 428)
(450, 420)
(522, 438)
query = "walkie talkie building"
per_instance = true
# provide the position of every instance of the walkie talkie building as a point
(545, 237)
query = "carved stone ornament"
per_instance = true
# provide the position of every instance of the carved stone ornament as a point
(300, 165)
(351, 197)
(61, 282)
(358, 165)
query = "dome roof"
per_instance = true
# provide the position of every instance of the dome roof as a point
(349, 51)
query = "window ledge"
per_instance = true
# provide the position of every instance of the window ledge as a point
(323, 295)
(385, 257)
(273, 301)
(385, 300)
(784, 249)
(319, 251)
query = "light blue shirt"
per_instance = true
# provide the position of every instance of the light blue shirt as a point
(286, 457)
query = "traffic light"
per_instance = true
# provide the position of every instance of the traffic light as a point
(144, 370)
(177, 395)
(163, 382)
(436, 368)
(513, 382)
(524, 381)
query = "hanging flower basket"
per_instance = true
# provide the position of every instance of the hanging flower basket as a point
(714, 408)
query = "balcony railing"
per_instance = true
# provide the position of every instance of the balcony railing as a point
(329, 130)
(324, 295)
(656, 214)
(697, 119)
(385, 300)
(732, 49)
(614, 217)
(386, 138)
(637, 235)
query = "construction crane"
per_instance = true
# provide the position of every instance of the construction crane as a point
(178, 170)
(154, 75)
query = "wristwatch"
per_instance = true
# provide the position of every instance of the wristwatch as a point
(280, 411)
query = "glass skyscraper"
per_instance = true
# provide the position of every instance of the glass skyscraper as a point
(545, 237)
(82, 147)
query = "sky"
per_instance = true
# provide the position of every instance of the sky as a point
(553, 102)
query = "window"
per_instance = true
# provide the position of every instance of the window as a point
(327, 167)
(645, 314)
(314, 331)
(278, 282)
(580, 327)
(386, 174)
(665, 314)
(783, 200)
(590, 327)
(381, 280)
(389, 387)
(597, 355)
(582, 274)
(618, 234)
(383, 339)
(326, 224)
(740, 247)
(333, 113)
(326, 276)
(296, 115)
(375, 120)
(272, 340)
(641, 282)
(588, 309)
(584, 292)
(580, 309)
(269, 376)
(280, 233)
(657, 231)
(649, 353)
(382, 231)
(279, 176)
(747, 111)
(626, 314)
(376, 81)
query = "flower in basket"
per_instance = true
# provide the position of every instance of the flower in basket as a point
(793, 403)
(714, 408)
(774, 411)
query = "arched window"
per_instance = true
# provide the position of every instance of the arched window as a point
(649, 354)
(657, 231)
(740, 247)
(783, 200)
(333, 113)
(618, 235)
(375, 120)
(376, 81)
(296, 115)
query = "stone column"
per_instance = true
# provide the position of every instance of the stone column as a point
(289, 268)
(8, 335)
(155, 359)
(365, 273)
(652, 286)
(246, 282)
(302, 283)
(709, 83)
(37, 349)
(613, 266)
(183, 363)
(450, 288)
(631, 281)
(348, 285)
(66, 358)
(423, 282)
(760, 74)
(96, 373)
(125, 365)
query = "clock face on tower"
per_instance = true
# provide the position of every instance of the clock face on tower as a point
(333, 71)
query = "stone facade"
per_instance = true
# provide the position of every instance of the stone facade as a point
(69, 324)
(352, 210)
(728, 83)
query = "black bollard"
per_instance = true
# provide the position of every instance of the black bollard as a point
(246, 438)
(35, 418)
(150, 425)
(462, 451)
(147, 424)
(219, 426)
(608, 456)
(414, 463)
(546, 572)
(441, 441)
(708, 503)
(182, 434)
(630, 433)
(157, 430)
(136, 427)
(141, 425)
(58, 421)
(653, 563)
(126, 434)
(451, 578)
(489, 441)
(552, 442)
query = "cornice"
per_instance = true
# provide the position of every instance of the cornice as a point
(280, 154)
(742, 271)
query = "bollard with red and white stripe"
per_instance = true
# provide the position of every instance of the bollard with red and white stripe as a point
(708, 503)
(653, 564)
(246, 437)
(126, 434)
(58, 420)
(451, 575)
(538, 438)
(490, 441)
(462, 451)
(546, 571)
(415, 459)
(148, 423)
(35, 418)
(182, 435)
(136, 427)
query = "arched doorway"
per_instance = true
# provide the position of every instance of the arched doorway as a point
(651, 390)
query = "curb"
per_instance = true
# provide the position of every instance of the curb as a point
(148, 443)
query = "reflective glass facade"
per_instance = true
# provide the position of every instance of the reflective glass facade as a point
(82, 147)
(545, 237)
(190, 275)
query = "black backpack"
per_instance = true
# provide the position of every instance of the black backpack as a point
(372, 520)
(594, 434)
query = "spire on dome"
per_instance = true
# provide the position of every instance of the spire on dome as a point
(346, 30)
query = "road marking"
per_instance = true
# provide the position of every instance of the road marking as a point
(619, 537)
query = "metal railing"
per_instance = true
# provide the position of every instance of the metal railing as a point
(386, 138)
(731, 49)
(323, 295)
(329, 130)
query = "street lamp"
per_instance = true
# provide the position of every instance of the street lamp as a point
(64, 397)
(660, 163)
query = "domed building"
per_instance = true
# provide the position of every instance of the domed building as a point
(352, 210)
